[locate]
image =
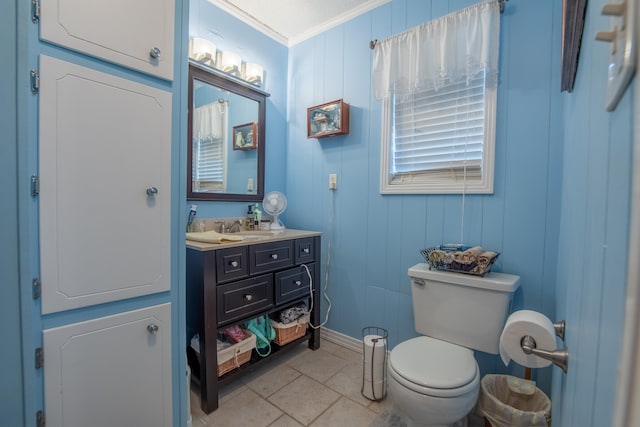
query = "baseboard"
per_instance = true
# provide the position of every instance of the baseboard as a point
(341, 339)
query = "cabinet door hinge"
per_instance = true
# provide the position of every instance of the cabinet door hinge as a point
(39, 357)
(35, 11)
(35, 81)
(36, 288)
(40, 421)
(35, 185)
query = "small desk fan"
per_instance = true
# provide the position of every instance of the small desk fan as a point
(274, 204)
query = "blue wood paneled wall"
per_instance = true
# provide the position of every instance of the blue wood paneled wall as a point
(592, 255)
(375, 238)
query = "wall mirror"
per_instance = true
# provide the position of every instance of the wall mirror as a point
(226, 137)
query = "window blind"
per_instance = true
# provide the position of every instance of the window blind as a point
(439, 133)
(208, 164)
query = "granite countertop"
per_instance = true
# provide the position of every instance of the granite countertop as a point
(252, 238)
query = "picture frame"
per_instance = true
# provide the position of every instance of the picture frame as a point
(328, 119)
(573, 14)
(245, 137)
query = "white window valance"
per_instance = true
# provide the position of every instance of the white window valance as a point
(448, 50)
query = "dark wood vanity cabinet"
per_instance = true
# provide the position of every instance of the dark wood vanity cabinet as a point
(232, 283)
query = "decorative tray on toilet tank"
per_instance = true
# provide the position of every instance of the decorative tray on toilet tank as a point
(460, 259)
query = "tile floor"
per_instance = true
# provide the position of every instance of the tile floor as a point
(303, 388)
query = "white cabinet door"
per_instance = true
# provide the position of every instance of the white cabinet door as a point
(126, 32)
(111, 371)
(105, 147)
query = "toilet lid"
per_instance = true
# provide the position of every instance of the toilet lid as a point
(432, 363)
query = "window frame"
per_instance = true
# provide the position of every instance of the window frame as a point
(440, 185)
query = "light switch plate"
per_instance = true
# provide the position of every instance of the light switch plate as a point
(622, 61)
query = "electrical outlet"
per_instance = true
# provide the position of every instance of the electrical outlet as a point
(333, 181)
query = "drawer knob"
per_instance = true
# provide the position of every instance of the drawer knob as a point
(233, 263)
(152, 328)
(248, 297)
(298, 283)
(274, 256)
(305, 250)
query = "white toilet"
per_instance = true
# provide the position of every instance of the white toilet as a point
(434, 379)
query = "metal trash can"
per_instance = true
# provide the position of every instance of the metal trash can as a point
(508, 401)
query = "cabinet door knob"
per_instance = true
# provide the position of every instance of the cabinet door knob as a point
(233, 263)
(305, 250)
(248, 297)
(152, 328)
(152, 191)
(154, 53)
(298, 283)
(274, 256)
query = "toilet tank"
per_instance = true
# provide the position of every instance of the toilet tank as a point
(460, 308)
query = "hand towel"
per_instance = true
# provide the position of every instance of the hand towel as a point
(213, 237)
(485, 258)
(469, 256)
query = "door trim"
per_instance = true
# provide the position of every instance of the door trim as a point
(627, 407)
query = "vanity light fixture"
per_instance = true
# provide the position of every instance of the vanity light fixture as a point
(202, 50)
(231, 63)
(205, 52)
(253, 73)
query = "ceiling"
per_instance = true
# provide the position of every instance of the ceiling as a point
(292, 21)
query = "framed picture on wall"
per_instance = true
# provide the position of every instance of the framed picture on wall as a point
(572, 26)
(245, 137)
(328, 119)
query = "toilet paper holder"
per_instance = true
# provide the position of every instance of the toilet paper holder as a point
(559, 328)
(559, 357)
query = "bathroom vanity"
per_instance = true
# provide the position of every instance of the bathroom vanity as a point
(231, 283)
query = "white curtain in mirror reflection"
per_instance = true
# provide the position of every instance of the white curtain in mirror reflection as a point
(209, 147)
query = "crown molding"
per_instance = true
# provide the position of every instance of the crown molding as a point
(311, 32)
(340, 19)
(250, 20)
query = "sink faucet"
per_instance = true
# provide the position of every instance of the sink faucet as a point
(222, 227)
(235, 227)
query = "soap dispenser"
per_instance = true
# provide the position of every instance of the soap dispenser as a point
(249, 222)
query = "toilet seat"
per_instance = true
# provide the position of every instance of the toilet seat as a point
(433, 367)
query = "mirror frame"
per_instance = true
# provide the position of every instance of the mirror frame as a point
(217, 78)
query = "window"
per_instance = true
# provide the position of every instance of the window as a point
(439, 141)
(208, 164)
(209, 147)
(438, 86)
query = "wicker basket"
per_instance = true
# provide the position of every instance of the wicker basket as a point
(287, 332)
(232, 357)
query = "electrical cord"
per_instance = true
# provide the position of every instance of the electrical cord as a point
(326, 275)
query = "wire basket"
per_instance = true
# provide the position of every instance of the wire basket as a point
(374, 363)
(460, 259)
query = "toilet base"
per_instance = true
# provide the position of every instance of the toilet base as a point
(429, 411)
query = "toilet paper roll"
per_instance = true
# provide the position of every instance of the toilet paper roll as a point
(534, 324)
(373, 390)
(374, 358)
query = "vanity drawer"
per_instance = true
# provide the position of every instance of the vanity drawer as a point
(304, 250)
(270, 256)
(240, 299)
(293, 283)
(231, 264)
